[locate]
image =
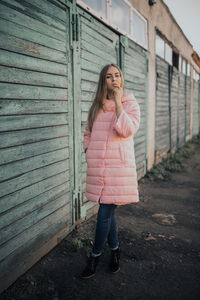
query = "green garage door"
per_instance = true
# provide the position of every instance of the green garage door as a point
(97, 45)
(196, 109)
(35, 192)
(181, 110)
(162, 122)
(174, 107)
(187, 106)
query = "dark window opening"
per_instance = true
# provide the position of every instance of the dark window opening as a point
(175, 59)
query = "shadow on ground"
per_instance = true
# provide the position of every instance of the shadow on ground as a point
(160, 245)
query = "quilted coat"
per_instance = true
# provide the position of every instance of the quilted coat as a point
(111, 169)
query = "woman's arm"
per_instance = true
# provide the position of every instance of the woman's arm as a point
(128, 121)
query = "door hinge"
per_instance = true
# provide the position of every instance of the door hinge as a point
(75, 27)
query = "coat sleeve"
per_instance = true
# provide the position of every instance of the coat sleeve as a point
(128, 121)
(86, 140)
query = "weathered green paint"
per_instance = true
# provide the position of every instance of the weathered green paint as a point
(13, 29)
(11, 43)
(21, 91)
(14, 138)
(25, 179)
(35, 188)
(21, 18)
(33, 149)
(196, 109)
(31, 63)
(174, 108)
(98, 46)
(162, 126)
(8, 123)
(181, 111)
(14, 75)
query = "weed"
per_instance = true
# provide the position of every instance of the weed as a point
(174, 163)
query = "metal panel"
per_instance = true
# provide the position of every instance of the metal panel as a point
(35, 191)
(162, 122)
(98, 47)
(135, 75)
(196, 109)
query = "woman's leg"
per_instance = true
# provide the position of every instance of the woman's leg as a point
(113, 236)
(103, 227)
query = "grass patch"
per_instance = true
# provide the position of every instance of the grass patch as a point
(175, 163)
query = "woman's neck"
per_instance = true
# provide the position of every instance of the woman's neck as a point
(110, 95)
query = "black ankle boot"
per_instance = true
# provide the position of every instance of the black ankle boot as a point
(90, 268)
(114, 261)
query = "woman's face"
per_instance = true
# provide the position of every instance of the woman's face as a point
(113, 79)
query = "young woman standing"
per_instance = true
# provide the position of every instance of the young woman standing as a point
(112, 122)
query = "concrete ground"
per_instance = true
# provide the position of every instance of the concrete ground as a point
(160, 242)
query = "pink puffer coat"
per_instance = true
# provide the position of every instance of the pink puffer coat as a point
(111, 169)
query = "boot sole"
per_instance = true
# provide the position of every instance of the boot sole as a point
(116, 271)
(88, 277)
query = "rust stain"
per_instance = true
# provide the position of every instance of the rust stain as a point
(27, 49)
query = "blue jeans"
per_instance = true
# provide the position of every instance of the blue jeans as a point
(105, 229)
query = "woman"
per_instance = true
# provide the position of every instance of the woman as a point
(112, 122)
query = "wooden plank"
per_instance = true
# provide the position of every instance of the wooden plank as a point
(19, 91)
(93, 66)
(20, 107)
(12, 231)
(28, 150)
(17, 168)
(32, 177)
(9, 139)
(8, 123)
(14, 44)
(39, 11)
(21, 32)
(32, 232)
(19, 211)
(102, 33)
(99, 51)
(14, 75)
(36, 189)
(12, 268)
(31, 63)
(22, 19)
(91, 57)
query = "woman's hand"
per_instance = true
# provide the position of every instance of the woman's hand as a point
(118, 93)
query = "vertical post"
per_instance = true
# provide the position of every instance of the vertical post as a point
(170, 70)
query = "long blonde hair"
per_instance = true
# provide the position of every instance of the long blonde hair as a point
(101, 94)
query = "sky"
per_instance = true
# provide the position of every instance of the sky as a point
(187, 15)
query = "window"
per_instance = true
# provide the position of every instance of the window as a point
(184, 66)
(139, 29)
(188, 69)
(98, 6)
(180, 63)
(168, 54)
(120, 15)
(160, 46)
(175, 59)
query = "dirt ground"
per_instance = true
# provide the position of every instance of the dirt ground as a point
(160, 245)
